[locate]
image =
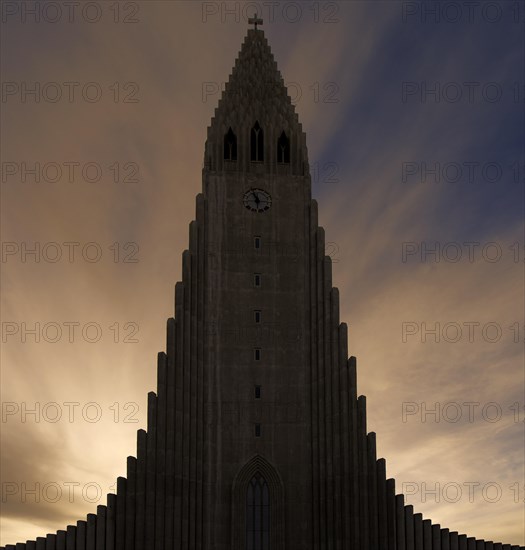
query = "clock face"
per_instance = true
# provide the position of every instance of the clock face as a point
(257, 200)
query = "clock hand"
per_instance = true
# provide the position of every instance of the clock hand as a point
(257, 199)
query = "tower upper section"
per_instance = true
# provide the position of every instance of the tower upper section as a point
(255, 128)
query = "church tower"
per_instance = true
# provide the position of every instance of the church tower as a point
(288, 462)
(259, 238)
(256, 438)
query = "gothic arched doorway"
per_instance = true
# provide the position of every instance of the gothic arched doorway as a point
(257, 507)
(257, 514)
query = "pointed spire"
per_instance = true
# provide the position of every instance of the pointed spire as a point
(255, 92)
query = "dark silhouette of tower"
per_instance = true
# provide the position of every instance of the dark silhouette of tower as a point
(256, 438)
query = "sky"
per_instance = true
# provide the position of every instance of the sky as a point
(414, 118)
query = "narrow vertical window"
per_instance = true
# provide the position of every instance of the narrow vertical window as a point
(257, 279)
(257, 354)
(257, 315)
(257, 392)
(257, 243)
(257, 430)
(230, 146)
(283, 149)
(258, 514)
(257, 143)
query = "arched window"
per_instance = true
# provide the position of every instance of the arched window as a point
(257, 514)
(283, 149)
(258, 507)
(257, 143)
(230, 146)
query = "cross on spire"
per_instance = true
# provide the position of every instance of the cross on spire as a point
(255, 21)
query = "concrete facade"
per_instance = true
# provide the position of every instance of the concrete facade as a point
(256, 386)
